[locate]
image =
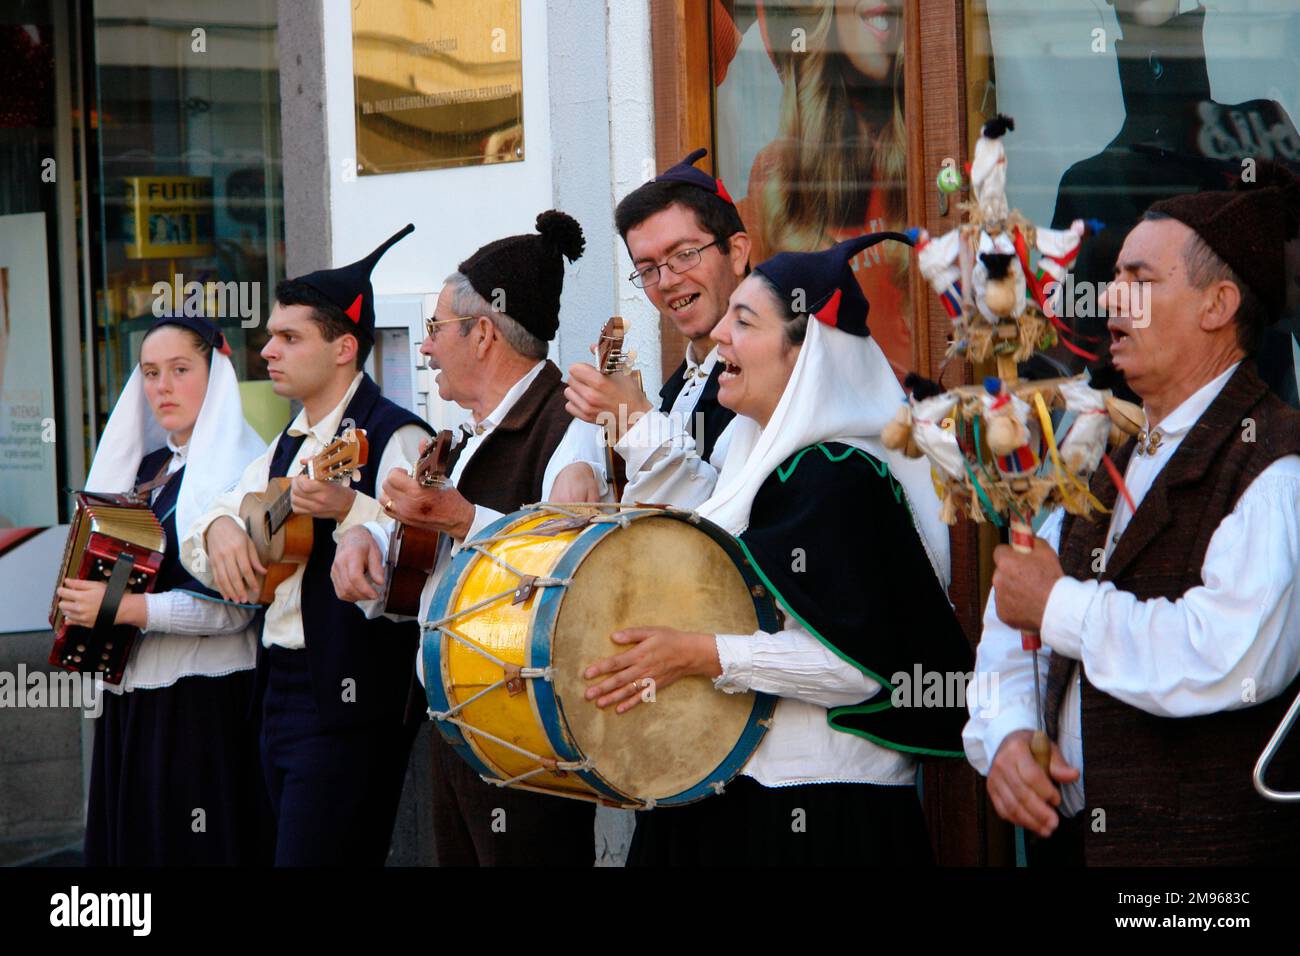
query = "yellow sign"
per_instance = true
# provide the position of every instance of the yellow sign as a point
(437, 85)
(168, 216)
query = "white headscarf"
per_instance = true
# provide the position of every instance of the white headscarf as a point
(842, 389)
(220, 448)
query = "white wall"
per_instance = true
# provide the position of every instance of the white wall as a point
(588, 142)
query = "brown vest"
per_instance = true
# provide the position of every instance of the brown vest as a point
(1178, 790)
(507, 469)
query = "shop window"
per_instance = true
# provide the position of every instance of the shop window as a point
(1123, 103)
(187, 143)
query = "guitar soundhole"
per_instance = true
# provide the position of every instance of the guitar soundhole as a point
(266, 527)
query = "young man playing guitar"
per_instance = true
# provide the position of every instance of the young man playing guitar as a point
(332, 686)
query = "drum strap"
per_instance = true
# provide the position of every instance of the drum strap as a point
(117, 582)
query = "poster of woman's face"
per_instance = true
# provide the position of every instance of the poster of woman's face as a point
(811, 139)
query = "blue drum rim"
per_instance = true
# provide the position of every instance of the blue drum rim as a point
(546, 704)
(436, 696)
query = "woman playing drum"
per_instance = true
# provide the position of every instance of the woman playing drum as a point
(846, 536)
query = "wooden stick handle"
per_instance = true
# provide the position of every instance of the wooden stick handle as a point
(1022, 539)
(1041, 748)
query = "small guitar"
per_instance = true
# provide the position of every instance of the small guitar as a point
(412, 552)
(282, 538)
(611, 359)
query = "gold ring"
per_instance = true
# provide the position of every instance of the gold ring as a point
(388, 505)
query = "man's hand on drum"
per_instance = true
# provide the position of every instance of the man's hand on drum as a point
(440, 508)
(657, 658)
(615, 401)
(358, 569)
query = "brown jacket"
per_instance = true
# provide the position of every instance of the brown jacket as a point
(1178, 790)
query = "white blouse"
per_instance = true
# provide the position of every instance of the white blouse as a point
(186, 634)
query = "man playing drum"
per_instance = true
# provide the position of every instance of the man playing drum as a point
(1174, 628)
(846, 536)
(488, 340)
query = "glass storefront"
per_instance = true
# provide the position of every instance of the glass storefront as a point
(1118, 108)
(140, 148)
(188, 187)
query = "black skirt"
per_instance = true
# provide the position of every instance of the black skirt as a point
(175, 779)
(816, 824)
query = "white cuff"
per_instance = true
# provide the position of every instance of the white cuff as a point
(1063, 616)
(1007, 722)
(364, 509)
(735, 654)
(482, 518)
(643, 439)
(157, 613)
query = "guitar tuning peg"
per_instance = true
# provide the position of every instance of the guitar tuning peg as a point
(631, 357)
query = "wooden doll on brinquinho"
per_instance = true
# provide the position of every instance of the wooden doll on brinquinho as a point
(1005, 450)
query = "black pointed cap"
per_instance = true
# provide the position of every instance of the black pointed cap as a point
(686, 172)
(349, 288)
(823, 283)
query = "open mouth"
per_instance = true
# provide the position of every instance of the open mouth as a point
(730, 370)
(876, 18)
(682, 303)
(1117, 334)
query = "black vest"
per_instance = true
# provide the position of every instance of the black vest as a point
(377, 656)
(172, 576)
(708, 414)
(509, 466)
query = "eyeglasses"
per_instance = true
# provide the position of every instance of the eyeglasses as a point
(677, 263)
(431, 324)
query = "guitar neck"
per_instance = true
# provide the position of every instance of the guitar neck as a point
(280, 511)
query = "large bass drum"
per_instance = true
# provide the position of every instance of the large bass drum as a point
(524, 609)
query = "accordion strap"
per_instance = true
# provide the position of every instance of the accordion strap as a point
(117, 582)
(142, 491)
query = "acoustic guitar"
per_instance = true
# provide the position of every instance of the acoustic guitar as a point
(412, 552)
(611, 359)
(282, 538)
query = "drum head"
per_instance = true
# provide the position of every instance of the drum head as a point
(657, 571)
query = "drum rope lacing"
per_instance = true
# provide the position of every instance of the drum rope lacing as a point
(544, 764)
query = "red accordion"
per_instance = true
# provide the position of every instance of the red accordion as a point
(118, 540)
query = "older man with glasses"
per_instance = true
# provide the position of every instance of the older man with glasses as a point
(488, 340)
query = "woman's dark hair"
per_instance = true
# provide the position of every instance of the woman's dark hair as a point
(201, 345)
(795, 323)
(327, 316)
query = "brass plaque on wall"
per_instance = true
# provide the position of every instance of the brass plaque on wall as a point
(437, 84)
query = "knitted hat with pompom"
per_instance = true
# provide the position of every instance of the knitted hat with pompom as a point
(523, 276)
